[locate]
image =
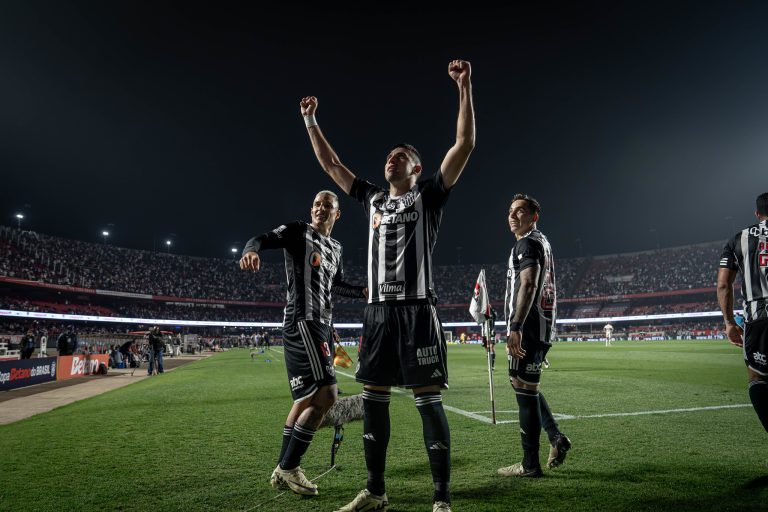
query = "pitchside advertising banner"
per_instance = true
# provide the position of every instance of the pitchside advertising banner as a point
(77, 366)
(25, 372)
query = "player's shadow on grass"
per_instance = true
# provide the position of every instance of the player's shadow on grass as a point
(757, 484)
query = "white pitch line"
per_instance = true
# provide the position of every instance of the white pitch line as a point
(468, 414)
(484, 419)
(641, 413)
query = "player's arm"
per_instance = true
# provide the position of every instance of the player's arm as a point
(725, 279)
(457, 156)
(274, 239)
(325, 154)
(525, 297)
(344, 289)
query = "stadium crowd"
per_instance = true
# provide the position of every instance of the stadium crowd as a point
(56, 261)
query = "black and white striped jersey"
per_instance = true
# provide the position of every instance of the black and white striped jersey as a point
(402, 235)
(747, 252)
(313, 268)
(533, 249)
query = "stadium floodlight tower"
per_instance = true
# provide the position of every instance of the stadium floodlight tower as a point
(19, 216)
(168, 246)
(233, 250)
(105, 234)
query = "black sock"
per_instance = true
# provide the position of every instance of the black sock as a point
(548, 422)
(297, 447)
(375, 437)
(758, 393)
(437, 439)
(287, 433)
(530, 425)
(493, 359)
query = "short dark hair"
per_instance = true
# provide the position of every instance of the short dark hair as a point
(762, 204)
(533, 204)
(410, 148)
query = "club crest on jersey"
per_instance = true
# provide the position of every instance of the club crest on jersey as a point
(315, 259)
(403, 202)
(391, 287)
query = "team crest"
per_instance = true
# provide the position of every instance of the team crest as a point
(315, 259)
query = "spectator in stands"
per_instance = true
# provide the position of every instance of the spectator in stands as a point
(28, 344)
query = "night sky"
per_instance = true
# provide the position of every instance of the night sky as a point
(635, 125)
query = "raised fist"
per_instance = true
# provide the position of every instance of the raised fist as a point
(460, 70)
(308, 105)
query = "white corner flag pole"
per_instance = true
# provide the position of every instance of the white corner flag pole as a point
(487, 329)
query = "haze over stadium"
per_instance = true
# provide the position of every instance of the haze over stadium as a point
(637, 125)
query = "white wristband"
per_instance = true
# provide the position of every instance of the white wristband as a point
(310, 120)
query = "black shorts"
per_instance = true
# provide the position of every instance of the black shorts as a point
(308, 357)
(528, 369)
(402, 345)
(756, 346)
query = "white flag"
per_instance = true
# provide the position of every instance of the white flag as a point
(480, 307)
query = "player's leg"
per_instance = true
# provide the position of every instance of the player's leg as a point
(377, 366)
(558, 442)
(424, 367)
(524, 375)
(313, 382)
(755, 348)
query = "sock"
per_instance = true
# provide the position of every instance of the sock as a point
(530, 425)
(493, 359)
(548, 422)
(287, 433)
(297, 447)
(758, 393)
(437, 439)
(375, 437)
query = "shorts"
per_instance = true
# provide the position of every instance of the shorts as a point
(402, 345)
(528, 369)
(308, 357)
(756, 346)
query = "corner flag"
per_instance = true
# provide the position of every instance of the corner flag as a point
(341, 358)
(480, 307)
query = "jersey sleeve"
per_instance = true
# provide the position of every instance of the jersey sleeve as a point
(529, 253)
(342, 288)
(434, 192)
(728, 258)
(363, 191)
(279, 238)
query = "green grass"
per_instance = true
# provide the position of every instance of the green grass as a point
(206, 437)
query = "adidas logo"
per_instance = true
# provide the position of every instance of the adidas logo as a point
(438, 446)
(369, 437)
(436, 374)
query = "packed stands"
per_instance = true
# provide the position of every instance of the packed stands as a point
(45, 273)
